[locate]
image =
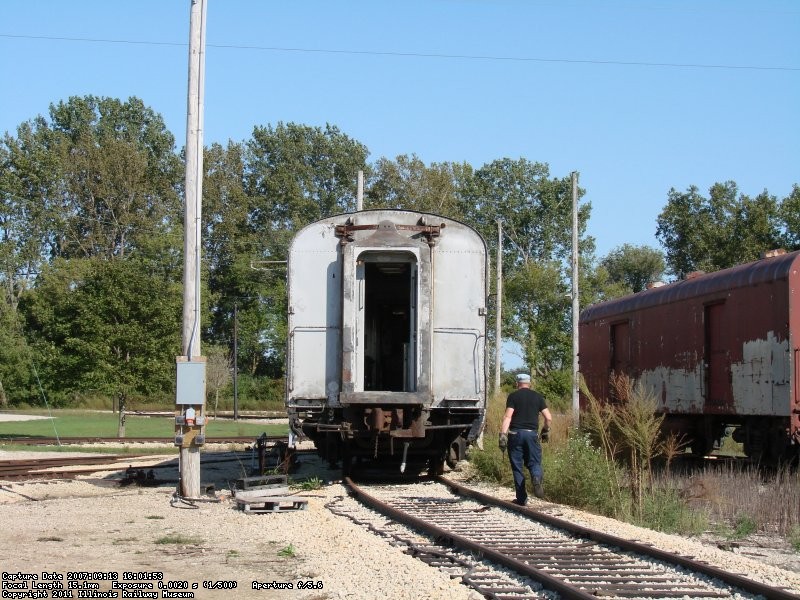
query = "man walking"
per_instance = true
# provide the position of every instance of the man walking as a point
(519, 433)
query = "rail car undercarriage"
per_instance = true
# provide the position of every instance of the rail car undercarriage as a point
(401, 436)
(764, 439)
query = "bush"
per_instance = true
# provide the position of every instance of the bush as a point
(255, 393)
(556, 387)
(577, 473)
(491, 464)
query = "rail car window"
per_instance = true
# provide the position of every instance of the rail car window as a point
(389, 325)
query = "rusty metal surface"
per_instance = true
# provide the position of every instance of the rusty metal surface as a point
(723, 343)
(574, 561)
(750, 274)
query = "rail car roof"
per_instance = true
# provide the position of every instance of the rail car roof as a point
(372, 212)
(761, 271)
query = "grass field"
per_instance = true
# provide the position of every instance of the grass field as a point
(79, 423)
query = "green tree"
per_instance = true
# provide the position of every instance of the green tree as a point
(790, 215)
(218, 372)
(634, 266)
(720, 231)
(231, 246)
(105, 328)
(258, 194)
(96, 180)
(16, 377)
(103, 172)
(407, 183)
(26, 211)
(597, 285)
(536, 211)
(299, 174)
(539, 320)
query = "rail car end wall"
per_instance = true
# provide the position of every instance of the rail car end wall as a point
(387, 335)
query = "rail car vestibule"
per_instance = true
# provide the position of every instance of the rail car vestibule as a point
(387, 309)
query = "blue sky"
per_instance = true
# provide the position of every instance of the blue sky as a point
(636, 96)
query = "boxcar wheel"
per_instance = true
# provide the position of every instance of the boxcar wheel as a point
(436, 467)
(452, 457)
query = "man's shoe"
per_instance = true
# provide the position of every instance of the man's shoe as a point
(538, 490)
(519, 502)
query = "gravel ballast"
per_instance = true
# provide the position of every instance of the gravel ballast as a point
(94, 525)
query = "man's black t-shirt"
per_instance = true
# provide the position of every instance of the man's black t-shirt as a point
(527, 405)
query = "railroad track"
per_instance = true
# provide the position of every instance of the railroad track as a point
(52, 441)
(542, 552)
(70, 467)
(63, 467)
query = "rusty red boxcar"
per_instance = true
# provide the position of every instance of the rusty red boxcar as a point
(721, 352)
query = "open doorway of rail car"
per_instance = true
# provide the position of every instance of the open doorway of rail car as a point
(388, 321)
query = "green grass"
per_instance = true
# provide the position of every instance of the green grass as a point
(177, 538)
(288, 552)
(794, 538)
(664, 510)
(307, 484)
(745, 525)
(79, 423)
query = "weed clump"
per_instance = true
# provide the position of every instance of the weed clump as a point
(580, 476)
(177, 538)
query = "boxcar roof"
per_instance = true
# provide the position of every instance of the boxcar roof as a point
(761, 271)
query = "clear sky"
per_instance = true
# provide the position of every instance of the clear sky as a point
(636, 96)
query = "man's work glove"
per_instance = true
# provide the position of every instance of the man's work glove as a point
(545, 435)
(503, 442)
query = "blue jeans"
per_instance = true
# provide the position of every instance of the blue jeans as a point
(524, 450)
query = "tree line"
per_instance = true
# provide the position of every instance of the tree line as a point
(91, 232)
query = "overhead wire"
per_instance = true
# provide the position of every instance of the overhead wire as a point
(428, 55)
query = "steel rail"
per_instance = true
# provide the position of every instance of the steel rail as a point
(60, 461)
(749, 585)
(489, 584)
(51, 441)
(566, 591)
(39, 468)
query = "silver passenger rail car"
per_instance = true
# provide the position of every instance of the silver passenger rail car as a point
(387, 338)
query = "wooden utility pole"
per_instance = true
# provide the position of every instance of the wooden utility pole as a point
(498, 328)
(360, 192)
(235, 361)
(190, 400)
(575, 304)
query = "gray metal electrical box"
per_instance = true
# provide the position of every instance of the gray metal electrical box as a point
(191, 383)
